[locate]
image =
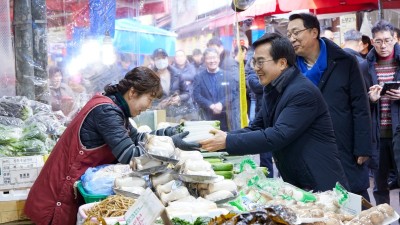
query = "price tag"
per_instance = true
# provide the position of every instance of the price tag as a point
(145, 211)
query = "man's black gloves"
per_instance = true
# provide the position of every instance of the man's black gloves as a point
(183, 145)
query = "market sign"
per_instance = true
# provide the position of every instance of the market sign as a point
(146, 210)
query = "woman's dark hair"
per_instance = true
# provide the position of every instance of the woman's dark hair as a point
(280, 47)
(53, 70)
(142, 79)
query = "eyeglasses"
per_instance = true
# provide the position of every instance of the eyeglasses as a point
(258, 63)
(295, 33)
(386, 41)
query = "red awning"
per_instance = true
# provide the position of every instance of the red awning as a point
(391, 4)
(336, 6)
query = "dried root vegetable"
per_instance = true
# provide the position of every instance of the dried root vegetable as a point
(112, 206)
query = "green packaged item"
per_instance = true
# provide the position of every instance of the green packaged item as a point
(213, 160)
(225, 174)
(222, 166)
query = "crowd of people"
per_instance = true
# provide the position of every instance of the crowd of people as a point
(334, 122)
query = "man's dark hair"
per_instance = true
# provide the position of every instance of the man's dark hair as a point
(236, 50)
(280, 47)
(214, 41)
(53, 70)
(397, 30)
(352, 35)
(196, 51)
(366, 40)
(323, 29)
(382, 25)
(309, 20)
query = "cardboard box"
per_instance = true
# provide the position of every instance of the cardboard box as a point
(150, 118)
(12, 211)
(19, 172)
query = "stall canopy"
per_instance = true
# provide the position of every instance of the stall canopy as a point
(133, 37)
(271, 7)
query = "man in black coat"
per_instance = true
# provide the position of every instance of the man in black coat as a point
(337, 75)
(383, 66)
(353, 45)
(293, 123)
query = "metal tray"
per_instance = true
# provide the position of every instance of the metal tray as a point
(163, 159)
(149, 171)
(225, 200)
(126, 193)
(198, 178)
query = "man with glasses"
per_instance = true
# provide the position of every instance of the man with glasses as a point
(383, 66)
(338, 77)
(210, 88)
(293, 123)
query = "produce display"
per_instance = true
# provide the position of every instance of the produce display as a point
(27, 127)
(188, 193)
(112, 206)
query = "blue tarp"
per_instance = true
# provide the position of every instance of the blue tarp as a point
(133, 37)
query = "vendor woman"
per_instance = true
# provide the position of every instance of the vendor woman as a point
(99, 134)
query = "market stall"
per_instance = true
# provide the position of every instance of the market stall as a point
(194, 187)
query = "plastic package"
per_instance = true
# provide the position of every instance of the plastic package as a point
(100, 179)
(161, 148)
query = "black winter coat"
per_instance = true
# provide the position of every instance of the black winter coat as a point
(294, 124)
(375, 114)
(343, 89)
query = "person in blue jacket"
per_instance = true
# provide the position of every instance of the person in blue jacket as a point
(294, 122)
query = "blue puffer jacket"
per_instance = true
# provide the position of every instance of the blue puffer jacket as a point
(107, 124)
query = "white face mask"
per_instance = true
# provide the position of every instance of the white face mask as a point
(161, 63)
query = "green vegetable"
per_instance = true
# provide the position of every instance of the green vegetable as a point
(213, 160)
(225, 174)
(264, 170)
(17, 110)
(222, 166)
(9, 134)
(35, 131)
(179, 221)
(198, 221)
(202, 221)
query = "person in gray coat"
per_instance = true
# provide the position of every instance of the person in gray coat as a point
(338, 77)
(293, 123)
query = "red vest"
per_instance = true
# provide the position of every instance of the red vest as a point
(51, 198)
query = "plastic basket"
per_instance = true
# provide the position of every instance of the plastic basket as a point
(89, 198)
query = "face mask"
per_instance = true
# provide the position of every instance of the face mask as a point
(161, 63)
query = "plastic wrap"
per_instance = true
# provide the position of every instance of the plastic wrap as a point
(15, 107)
(100, 180)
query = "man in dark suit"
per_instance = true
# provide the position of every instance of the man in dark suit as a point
(211, 87)
(337, 75)
(293, 123)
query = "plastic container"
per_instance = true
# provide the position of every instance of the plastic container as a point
(89, 198)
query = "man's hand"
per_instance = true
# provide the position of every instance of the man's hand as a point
(362, 159)
(393, 94)
(374, 93)
(175, 100)
(215, 143)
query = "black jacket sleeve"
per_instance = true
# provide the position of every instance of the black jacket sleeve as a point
(111, 125)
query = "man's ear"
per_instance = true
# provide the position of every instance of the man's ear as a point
(282, 63)
(314, 32)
